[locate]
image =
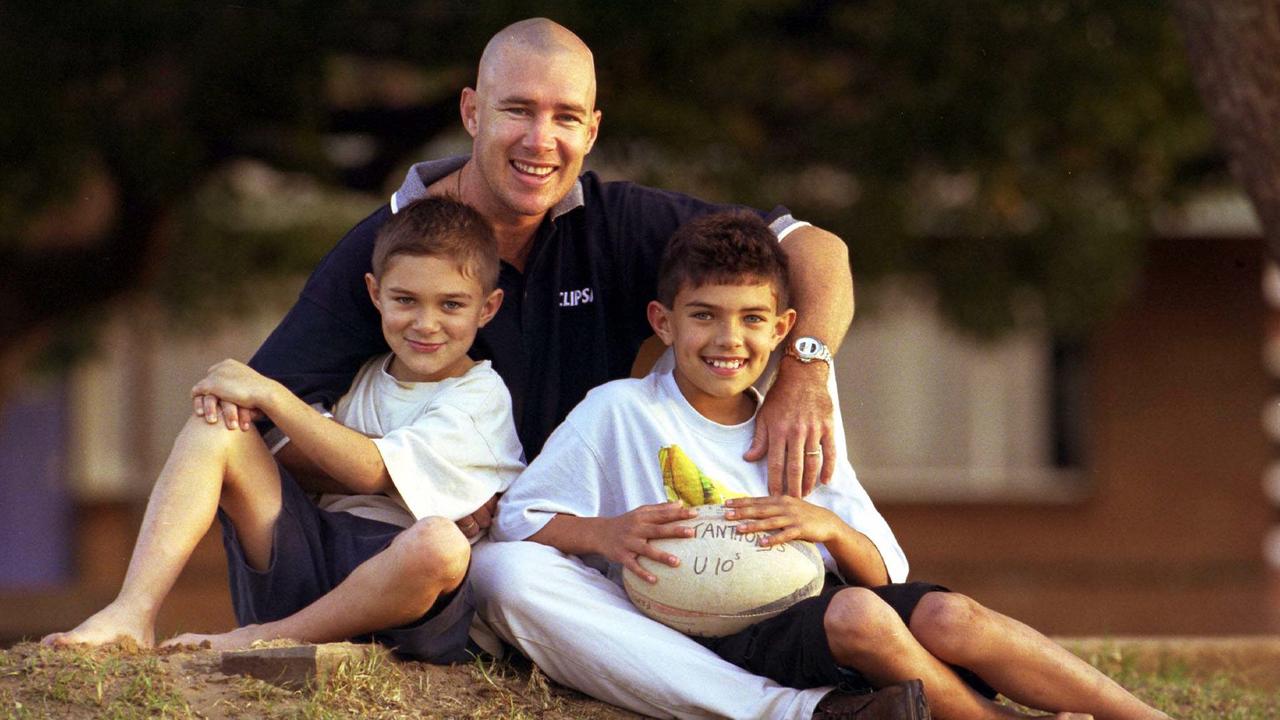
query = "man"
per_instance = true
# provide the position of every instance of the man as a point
(580, 259)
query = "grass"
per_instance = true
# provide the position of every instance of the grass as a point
(122, 683)
(1187, 694)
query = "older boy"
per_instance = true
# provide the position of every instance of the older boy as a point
(423, 437)
(597, 491)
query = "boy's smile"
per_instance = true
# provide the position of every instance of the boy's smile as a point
(722, 336)
(430, 314)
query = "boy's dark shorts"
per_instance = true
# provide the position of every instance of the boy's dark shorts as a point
(312, 552)
(791, 648)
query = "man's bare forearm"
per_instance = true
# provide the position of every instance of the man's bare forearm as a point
(821, 284)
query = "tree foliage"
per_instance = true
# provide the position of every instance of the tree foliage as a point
(1001, 147)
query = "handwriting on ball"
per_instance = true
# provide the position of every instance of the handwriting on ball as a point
(721, 564)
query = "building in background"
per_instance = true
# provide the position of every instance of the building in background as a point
(1110, 487)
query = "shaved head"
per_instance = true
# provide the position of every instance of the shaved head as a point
(541, 37)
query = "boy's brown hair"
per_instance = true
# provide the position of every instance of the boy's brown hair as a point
(732, 247)
(440, 227)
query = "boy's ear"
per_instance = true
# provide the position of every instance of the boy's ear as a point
(660, 321)
(782, 326)
(490, 307)
(371, 283)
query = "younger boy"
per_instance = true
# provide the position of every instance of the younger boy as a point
(423, 437)
(597, 490)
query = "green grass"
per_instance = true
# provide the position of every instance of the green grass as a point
(1188, 695)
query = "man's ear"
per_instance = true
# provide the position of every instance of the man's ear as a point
(782, 326)
(371, 283)
(467, 108)
(593, 132)
(660, 321)
(490, 307)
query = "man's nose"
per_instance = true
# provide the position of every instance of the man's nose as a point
(541, 134)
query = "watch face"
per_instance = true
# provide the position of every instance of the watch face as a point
(808, 347)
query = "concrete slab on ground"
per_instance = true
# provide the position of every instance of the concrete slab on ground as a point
(294, 666)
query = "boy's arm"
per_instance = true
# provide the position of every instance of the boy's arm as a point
(622, 539)
(856, 556)
(345, 455)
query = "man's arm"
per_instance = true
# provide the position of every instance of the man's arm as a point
(343, 454)
(795, 425)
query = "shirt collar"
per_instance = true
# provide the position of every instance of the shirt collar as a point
(422, 174)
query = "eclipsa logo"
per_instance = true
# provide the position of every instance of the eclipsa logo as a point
(574, 298)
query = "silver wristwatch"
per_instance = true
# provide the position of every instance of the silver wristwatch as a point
(808, 349)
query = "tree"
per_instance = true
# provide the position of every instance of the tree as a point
(1234, 48)
(998, 146)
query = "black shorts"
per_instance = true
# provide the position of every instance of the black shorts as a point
(312, 552)
(791, 648)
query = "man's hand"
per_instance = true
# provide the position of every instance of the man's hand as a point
(795, 427)
(791, 518)
(626, 537)
(234, 389)
(480, 520)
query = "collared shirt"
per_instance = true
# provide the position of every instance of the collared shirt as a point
(572, 320)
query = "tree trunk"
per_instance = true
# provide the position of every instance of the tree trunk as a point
(1234, 49)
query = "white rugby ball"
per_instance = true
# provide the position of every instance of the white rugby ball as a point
(725, 581)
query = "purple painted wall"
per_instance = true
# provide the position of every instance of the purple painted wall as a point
(35, 504)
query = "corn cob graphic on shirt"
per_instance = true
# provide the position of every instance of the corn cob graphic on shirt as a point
(685, 483)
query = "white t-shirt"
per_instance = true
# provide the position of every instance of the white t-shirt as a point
(448, 446)
(603, 462)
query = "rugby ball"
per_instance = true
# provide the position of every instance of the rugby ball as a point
(725, 581)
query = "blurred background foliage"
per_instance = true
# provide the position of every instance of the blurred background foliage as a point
(1002, 148)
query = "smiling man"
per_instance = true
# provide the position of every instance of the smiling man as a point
(580, 260)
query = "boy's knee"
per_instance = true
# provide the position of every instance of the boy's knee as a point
(946, 618)
(858, 623)
(434, 551)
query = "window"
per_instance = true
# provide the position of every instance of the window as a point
(933, 415)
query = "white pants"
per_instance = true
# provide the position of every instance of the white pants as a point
(582, 631)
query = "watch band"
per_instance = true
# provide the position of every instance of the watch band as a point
(808, 349)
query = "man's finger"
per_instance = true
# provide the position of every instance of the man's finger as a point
(759, 444)
(777, 469)
(795, 466)
(829, 459)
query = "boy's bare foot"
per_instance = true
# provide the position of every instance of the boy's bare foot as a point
(114, 623)
(237, 639)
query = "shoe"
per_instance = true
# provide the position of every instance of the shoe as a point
(903, 701)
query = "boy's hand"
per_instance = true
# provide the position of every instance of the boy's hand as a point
(626, 537)
(208, 407)
(792, 518)
(795, 428)
(235, 388)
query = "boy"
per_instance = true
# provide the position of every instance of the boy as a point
(423, 437)
(597, 490)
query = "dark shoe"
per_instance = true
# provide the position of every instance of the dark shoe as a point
(903, 701)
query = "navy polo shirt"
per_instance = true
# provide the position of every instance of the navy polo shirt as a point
(574, 319)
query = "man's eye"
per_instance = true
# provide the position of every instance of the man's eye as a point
(703, 315)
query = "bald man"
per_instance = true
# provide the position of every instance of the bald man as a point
(579, 264)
